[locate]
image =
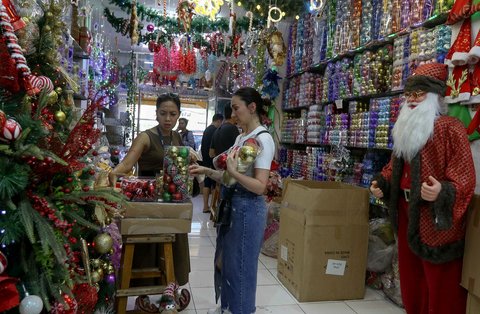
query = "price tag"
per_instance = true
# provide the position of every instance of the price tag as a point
(336, 267)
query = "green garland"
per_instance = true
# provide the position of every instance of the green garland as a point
(122, 25)
(290, 7)
(200, 24)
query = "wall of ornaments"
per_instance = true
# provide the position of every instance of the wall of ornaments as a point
(345, 73)
(346, 69)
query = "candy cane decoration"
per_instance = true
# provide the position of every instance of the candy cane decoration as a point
(16, 51)
(271, 19)
(231, 20)
(249, 14)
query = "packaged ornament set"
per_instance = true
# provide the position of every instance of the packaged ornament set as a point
(173, 184)
(247, 154)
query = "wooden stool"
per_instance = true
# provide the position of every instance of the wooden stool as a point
(166, 271)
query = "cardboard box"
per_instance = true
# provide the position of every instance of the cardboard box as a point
(150, 218)
(323, 240)
(473, 304)
(471, 258)
(159, 210)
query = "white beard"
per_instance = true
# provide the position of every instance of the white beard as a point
(414, 126)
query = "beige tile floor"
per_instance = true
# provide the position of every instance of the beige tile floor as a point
(272, 296)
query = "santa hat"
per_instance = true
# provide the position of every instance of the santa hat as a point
(458, 85)
(459, 52)
(428, 77)
(460, 10)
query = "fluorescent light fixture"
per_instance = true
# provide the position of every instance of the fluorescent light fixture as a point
(148, 62)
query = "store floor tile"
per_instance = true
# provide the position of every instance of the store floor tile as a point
(272, 296)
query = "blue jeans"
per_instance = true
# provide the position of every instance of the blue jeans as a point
(237, 251)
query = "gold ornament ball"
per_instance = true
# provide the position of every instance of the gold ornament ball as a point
(108, 220)
(96, 263)
(110, 269)
(103, 243)
(60, 116)
(105, 265)
(52, 98)
(49, 14)
(111, 252)
(100, 272)
(247, 151)
(95, 275)
(47, 28)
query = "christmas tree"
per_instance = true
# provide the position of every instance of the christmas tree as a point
(59, 250)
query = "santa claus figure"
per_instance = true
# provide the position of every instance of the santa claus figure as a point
(428, 185)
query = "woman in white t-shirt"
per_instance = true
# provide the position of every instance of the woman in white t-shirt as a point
(239, 240)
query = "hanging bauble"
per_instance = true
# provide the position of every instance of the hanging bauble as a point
(86, 296)
(31, 304)
(52, 98)
(95, 275)
(96, 263)
(3, 119)
(103, 243)
(3, 262)
(42, 82)
(60, 116)
(11, 130)
(69, 306)
(58, 90)
(150, 28)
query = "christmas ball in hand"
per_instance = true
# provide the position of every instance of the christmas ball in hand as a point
(183, 152)
(103, 243)
(60, 116)
(247, 151)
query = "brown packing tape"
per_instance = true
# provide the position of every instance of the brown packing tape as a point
(471, 284)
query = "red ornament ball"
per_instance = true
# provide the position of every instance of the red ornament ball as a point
(3, 119)
(150, 28)
(86, 296)
(116, 152)
(86, 188)
(91, 172)
(11, 130)
(3, 262)
(60, 308)
(172, 188)
(94, 153)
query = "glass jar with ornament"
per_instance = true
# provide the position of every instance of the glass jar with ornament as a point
(177, 185)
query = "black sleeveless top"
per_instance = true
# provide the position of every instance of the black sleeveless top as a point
(151, 162)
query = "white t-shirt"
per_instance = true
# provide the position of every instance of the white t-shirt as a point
(264, 159)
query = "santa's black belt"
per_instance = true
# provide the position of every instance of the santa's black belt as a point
(406, 194)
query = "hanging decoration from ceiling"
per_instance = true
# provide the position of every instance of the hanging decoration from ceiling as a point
(134, 24)
(200, 24)
(289, 7)
(208, 8)
(185, 13)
